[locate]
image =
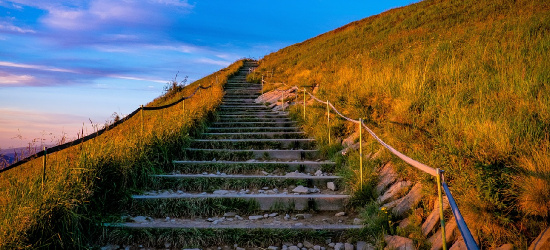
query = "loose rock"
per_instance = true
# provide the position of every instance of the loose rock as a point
(331, 186)
(340, 214)
(301, 190)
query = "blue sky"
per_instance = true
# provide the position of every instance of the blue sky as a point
(66, 63)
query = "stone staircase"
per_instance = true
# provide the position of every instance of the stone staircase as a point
(252, 180)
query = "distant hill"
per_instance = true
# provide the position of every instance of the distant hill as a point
(459, 85)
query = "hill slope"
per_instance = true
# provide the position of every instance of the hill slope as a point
(87, 182)
(459, 85)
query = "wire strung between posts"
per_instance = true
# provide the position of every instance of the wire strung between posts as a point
(97, 133)
(412, 162)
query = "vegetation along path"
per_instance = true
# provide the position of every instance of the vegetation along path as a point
(251, 180)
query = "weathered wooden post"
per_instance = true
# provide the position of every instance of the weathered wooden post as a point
(328, 121)
(141, 107)
(441, 217)
(44, 166)
(304, 104)
(361, 151)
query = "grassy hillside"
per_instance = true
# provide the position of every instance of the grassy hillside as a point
(86, 182)
(458, 85)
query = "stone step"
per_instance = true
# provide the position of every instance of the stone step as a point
(253, 166)
(268, 115)
(259, 119)
(247, 154)
(253, 143)
(248, 106)
(256, 183)
(189, 233)
(251, 129)
(265, 202)
(252, 124)
(251, 113)
(258, 135)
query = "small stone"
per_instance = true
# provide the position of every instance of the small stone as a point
(216, 222)
(141, 219)
(319, 173)
(348, 246)
(273, 214)
(261, 191)
(264, 173)
(304, 216)
(210, 220)
(287, 217)
(331, 186)
(238, 217)
(230, 214)
(308, 244)
(255, 217)
(167, 245)
(221, 192)
(316, 247)
(323, 248)
(314, 190)
(167, 219)
(301, 190)
(339, 246)
(362, 245)
(300, 245)
(339, 214)
(331, 244)
(265, 188)
(204, 173)
(293, 248)
(180, 192)
(356, 221)
(223, 174)
(218, 173)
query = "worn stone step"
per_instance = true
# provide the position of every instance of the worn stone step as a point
(256, 183)
(152, 235)
(265, 202)
(251, 129)
(253, 143)
(257, 135)
(247, 154)
(253, 166)
(264, 115)
(252, 124)
(253, 119)
(248, 106)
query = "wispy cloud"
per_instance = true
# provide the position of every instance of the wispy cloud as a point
(12, 79)
(38, 67)
(213, 62)
(8, 27)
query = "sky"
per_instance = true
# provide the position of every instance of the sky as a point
(65, 65)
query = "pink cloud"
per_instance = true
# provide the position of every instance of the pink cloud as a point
(12, 79)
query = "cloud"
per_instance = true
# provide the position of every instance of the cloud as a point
(12, 79)
(8, 27)
(67, 75)
(213, 62)
(38, 67)
(99, 14)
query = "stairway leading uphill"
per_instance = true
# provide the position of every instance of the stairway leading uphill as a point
(253, 179)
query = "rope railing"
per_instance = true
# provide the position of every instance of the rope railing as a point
(438, 173)
(99, 132)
